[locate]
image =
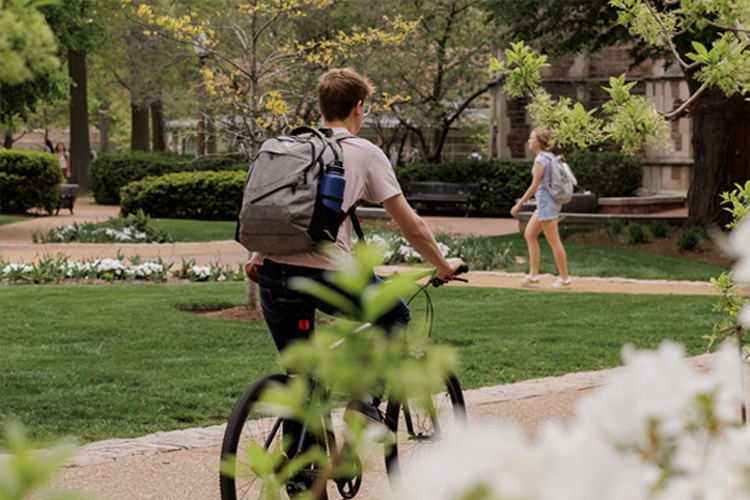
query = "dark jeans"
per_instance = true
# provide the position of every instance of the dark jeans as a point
(290, 315)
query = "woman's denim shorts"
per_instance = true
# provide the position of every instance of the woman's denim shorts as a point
(546, 206)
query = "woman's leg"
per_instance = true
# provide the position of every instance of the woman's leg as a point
(533, 228)
(552, 234)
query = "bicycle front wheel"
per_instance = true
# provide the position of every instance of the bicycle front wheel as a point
(252, 422)
(419, 423)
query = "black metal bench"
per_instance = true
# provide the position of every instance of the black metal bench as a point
(444, 192)
(68, 195)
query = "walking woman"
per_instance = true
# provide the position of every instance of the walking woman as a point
(64, 158)
(545, 217)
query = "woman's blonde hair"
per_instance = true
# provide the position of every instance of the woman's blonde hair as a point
(543, 136)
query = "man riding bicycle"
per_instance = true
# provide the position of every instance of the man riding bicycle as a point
(289, 314)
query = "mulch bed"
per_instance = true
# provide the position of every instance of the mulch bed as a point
(711, 251)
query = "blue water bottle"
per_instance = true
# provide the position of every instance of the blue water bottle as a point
(331, 187)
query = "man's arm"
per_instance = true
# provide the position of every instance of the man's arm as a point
(419, 236)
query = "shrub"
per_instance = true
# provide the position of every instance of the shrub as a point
(658, 228)
(501, 181)
(636, 234)
(606, 174)
(110, 172)
(691, 238)
(29, 179)
(615, 227)
(186, 195)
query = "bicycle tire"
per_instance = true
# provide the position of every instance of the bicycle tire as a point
(416, 433)
(249, 421)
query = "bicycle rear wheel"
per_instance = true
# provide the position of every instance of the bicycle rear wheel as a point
(249, 422)
(418, 428)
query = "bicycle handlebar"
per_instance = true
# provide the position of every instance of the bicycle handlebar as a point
(463, 268)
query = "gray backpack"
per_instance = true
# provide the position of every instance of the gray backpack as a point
(282, 211)
(562, 180)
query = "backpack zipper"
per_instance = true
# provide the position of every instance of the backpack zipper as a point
(293, 185)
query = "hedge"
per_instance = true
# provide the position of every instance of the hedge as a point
(607, 174)
(604, 174)
(110, 172)
(501, 181)
(186, 195)
(29, 179)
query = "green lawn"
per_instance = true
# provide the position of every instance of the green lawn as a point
(184, 230)
(10, 219)
(609, 261)
(583, 259)
(104, 361)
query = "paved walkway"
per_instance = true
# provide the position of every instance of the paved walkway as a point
(184, 464)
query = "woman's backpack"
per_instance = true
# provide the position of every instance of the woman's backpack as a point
(562, 180)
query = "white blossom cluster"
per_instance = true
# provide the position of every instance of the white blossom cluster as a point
(201, 272)
(399, 250)
(145, 270)
(95, 267)
(659, 430)
(126, 235)
(23, 268)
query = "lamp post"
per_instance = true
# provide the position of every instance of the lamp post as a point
(201, 50)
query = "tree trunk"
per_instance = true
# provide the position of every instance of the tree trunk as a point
(139, 133)
(211, 139)
(158, 136)
(80, 147)
(8, 141)
(103, 118)
(713, 119)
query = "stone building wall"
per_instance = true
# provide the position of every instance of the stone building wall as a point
(581, 78)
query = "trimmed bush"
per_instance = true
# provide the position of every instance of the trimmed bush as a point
(658, 228)
(186, 195)
(502, 181)
(110, 172)
(29, 179)
(635, 233)
(606, 174)
(691, 238)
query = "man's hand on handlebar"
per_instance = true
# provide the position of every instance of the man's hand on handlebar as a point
(456, 266)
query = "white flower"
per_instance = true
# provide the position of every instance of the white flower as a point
(24, 268)
(497, 461)
(201, 271)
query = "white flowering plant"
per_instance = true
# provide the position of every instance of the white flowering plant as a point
(479, 253)
(57, 269)
(129, 228)
(658, 430)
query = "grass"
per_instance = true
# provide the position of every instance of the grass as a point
(188, 231)
(10, 219)
(107, 361)
(609, 261)
(583, 259)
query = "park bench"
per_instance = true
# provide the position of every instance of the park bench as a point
(431, 192)
(68, 195)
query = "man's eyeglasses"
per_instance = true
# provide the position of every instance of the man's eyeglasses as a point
(367, 108)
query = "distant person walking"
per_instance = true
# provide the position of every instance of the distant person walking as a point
(393, 156)
(64, 158)
(474, 155)
(545, 217)
(413, 156)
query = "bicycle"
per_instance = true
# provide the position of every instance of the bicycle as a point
(416, 425)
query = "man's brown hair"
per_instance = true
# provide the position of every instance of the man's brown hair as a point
(339, 91)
